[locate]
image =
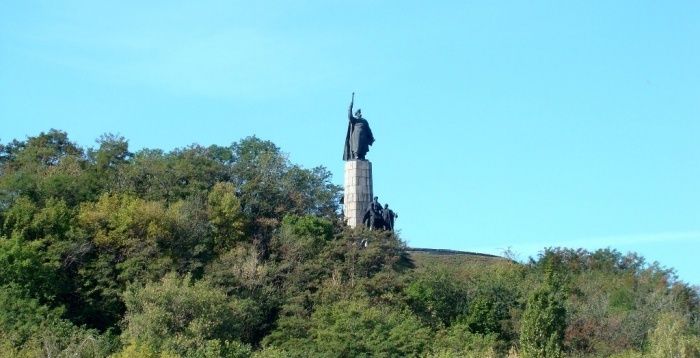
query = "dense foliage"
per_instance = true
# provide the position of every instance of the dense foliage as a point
(236, 252)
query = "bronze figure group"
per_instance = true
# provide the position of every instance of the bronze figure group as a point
(379, 218)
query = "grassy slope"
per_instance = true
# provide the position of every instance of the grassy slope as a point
(431, 257)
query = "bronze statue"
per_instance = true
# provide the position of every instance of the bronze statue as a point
(373, 218)
(375, 205)
(359, 136)
(389, 216)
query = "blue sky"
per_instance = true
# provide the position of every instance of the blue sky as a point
(499, 125)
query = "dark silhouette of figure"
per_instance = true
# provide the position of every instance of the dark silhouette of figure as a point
(389, 216)
(375, 205)
(359, 136)
(373, 218)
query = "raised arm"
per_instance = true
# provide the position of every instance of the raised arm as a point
(350, 116)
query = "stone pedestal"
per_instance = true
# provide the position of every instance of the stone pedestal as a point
(358, 190)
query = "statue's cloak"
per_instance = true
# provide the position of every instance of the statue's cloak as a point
(347, 152)
(366, 138)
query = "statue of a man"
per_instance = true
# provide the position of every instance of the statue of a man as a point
(376, 207)
(359, 136)
(389, 216)
(373, 216)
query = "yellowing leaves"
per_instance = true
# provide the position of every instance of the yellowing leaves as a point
(123, 221)
(224, 210)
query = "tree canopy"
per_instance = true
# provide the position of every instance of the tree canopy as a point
(234, 251)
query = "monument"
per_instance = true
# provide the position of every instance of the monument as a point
(358, 170)
(360, 206)
(359, 136)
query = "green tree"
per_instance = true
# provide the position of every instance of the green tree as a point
(124, 239)
(303, 237)
(358, 328)
(195, 169)
(21, 318)
(459, 341)
(225, 216)
(543, 323)
(187, 318)
(48, 165)
(672, 337)
(107, 163)
(24, 265)
(271, 187)
(490, 310)
(30, 329)
(112, 152)
(148, 176)
(18, 218)
(437, 297)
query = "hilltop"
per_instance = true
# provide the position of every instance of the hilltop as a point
(237, 252)
(426, 257)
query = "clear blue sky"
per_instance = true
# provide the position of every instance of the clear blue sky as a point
(498, 124)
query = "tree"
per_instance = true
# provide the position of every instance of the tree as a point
(210, 251)
(23, 265)
(357, 328)
(490, 309)
(107, 162)
(543, 323)
(459, 341)
(125, 239)
(48, 165)
(112, 152)
(18, 218)
(672, 337)
(30, 329)
(270, 187)
(437, 297)
(225, 216)
(187, 318)
(303, 237)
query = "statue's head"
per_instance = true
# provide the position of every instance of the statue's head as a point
(358, 113)
(386, 206)
(376, 198)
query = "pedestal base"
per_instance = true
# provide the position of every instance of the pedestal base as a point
(358, 190)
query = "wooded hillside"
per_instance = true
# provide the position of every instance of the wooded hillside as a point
(237, 252)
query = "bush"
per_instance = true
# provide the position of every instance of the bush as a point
(356, 328)
(190, 319)
(458, 341)
(543, 324)
(28, 328)
(437, 297)
(671, 338)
